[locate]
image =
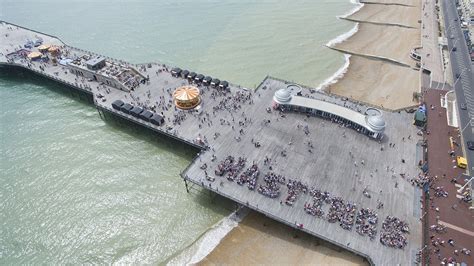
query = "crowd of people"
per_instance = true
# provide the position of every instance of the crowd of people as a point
(366, 222)
(231, 167)
(249, 177)
(342, 212)
(271, 186)
(393, 232)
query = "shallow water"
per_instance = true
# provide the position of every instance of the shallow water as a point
(77, 189)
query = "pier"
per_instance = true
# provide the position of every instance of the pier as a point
(318, 150)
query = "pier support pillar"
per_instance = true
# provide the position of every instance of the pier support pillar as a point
(186, 184)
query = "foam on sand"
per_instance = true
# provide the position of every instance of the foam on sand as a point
(198, 250)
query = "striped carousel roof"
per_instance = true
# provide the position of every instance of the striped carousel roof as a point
(186, 93)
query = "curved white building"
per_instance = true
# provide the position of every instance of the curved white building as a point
(371, 123)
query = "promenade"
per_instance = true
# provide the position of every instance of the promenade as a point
(445, 207)
(314, 174)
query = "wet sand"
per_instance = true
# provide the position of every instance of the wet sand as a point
(261, 240)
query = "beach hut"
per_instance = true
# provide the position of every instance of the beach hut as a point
(224, 84)
(199, 78)
(207, 80)
(146, 115)
(157, 119)
(184, 74)
(126, 108)
(175, 72)
(187, 97)
(192, 75)
(117, 104)
(44, 48)
(215, 82)
(136, 111)
(35, 55)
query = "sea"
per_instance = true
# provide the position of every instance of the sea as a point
(79, 189)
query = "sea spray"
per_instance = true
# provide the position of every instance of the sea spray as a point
(202, 247)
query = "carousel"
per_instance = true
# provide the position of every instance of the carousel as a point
(187, 97)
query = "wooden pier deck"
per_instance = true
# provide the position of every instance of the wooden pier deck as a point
(334, 164)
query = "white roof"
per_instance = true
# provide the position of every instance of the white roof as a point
(340, 111)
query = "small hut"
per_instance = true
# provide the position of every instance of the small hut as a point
(187, 97)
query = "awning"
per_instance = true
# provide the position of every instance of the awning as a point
(34, 55)
(44, 47)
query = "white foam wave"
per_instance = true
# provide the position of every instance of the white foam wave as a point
(344, 36)
(337, 75)
(342, 70)
(358, 6)
(207, 242)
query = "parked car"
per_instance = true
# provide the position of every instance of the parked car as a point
(470, 145)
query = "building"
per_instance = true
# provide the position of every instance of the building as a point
(111, 73)
(371, 123)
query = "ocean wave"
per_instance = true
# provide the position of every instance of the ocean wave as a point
(337, 75)
(358, 6)
(344, 36)
(209, 240)
(342, 70)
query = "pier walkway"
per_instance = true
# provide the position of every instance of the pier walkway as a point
(313, 152)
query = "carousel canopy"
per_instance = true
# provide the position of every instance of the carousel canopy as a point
(34, 55)
(53, 49)
(44, 47)
(186, 93)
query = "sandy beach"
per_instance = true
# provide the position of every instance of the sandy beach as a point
(261, 240)
(383, 41)
(369, 78)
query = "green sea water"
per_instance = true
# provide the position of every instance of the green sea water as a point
(78, 189)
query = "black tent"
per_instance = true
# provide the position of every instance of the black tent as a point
(146, 115)
(192, 75)
(184, 74)
(207, 80)
(176, 71)
(157, 119)
(117, 104)
(199, 77)
(136, 111)
(224, 84)
(126, 108)
(215, 82)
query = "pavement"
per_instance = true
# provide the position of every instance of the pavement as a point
(464, 84)
(449, 211)
(430, 52)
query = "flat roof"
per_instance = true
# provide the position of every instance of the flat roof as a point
(327, 107)
(94, 61)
